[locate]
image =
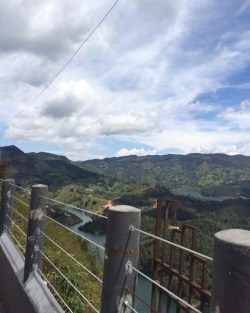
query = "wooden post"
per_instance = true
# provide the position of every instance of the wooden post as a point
(6, 205)
(36, 224)
(121, 250)
(231, 273)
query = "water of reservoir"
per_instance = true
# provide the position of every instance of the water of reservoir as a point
(198, 195)
(143, 287)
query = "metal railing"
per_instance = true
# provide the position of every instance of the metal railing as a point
(121, 251)
(26, 226)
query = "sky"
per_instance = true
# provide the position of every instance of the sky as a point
(156, 77)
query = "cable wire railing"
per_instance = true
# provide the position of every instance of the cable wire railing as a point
(18, 229)
(19, 200)
(172, 244)
(16, 240)
(75, 233)
(54, 290)
(69, 282)
(21, 188)
(165, 289)
(20, 214)
(56, 263)
(75, 207)
(71, 256)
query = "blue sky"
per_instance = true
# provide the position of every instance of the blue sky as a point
(157, 77)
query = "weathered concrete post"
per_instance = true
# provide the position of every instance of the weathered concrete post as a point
(6, 205)
(36, 224)
(231, 273)
(121, 250)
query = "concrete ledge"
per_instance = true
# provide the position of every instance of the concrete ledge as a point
(34, 296)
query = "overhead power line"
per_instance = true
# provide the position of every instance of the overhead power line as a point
(64, 66)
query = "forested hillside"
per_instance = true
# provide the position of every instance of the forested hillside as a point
(211, 174)
(139, 181)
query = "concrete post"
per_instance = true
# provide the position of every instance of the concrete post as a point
(122, 249)
(6, 204)
(36, 224)
(231, 273)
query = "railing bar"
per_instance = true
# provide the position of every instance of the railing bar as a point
(129, 306)
(20, 214)
(142, 301)
(173, 244)
(89, 303)
(77, 208)
(20, 201)
(57, 293)
(15, 239)
(21, 188)
(68, 254)
(16, 225)
(166, 290)
(74, 232)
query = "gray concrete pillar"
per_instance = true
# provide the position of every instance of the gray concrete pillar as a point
(36, 224)
(122, 249)
(231, 272)
(6, 204)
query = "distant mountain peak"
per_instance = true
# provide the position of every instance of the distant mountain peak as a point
(8, 152)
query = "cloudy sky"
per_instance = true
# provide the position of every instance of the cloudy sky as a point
(157, 77)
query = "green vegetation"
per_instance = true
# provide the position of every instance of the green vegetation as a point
(208, 216)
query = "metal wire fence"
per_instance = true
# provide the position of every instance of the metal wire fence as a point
(63, 260)
(75, 285)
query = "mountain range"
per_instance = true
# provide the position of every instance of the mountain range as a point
(209, 174)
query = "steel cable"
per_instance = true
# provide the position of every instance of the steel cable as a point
(19, 244)
(19, 187)
(74, 232)
(132, 228)
(75, 207)
(165, 289)
(19, 214)
(68, 254)
(17, 199)
(56, 292)
(72, 285)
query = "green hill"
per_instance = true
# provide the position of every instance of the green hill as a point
(210, 174)
(53, 170)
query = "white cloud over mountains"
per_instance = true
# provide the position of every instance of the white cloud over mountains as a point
(157, 76)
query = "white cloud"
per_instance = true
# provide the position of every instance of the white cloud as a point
(135, 151)
(153, 74)
(238, 117)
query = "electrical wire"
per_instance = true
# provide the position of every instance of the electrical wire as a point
(64, 66)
